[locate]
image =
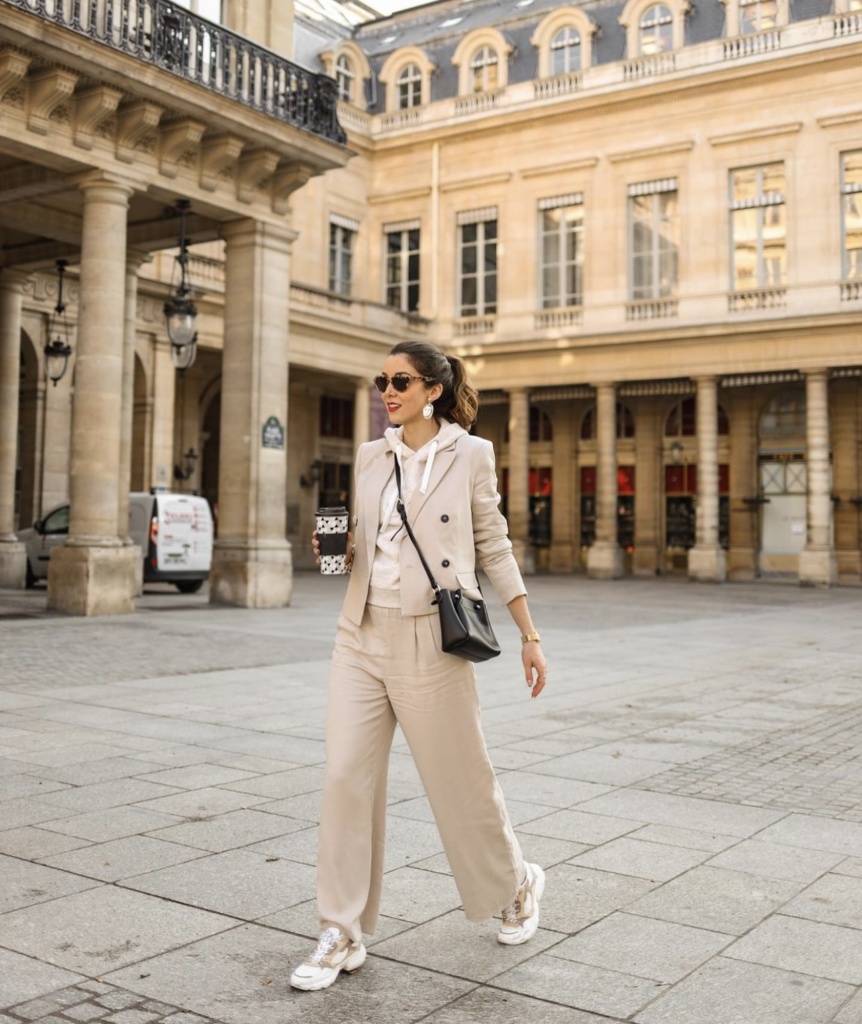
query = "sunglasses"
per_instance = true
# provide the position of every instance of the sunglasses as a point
(401, 381)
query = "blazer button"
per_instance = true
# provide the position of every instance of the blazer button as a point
(445, 563)
(444, 519)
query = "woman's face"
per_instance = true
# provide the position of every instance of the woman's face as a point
(405, 407)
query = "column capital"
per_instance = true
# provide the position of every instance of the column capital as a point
(89, 181)
(604, 385)
(250, 230)
(14, 280)
(816, 372)
(135, 259)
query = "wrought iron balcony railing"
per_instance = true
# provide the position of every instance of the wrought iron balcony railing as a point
(184, 44)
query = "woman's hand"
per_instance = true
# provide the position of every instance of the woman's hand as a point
(315, 547)
(533, 658)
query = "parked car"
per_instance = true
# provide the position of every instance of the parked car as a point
(174, 532)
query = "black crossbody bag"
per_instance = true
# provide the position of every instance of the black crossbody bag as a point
(464, 624)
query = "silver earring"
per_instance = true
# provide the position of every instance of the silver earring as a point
(427, 411)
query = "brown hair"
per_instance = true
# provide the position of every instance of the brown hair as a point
(459, 400)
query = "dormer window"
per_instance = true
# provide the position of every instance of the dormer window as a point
(656, 30)
(484, 69)
(345, 79)
(409, 87)
(757, 16)
(566, 51)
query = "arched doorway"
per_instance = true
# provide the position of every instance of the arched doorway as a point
(211, 437)
(783, 480)
(31, 392)
(625, 433)
(680, 482)
(140, 419)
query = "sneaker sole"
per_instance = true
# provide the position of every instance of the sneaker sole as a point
(351, 964)
(530, 927)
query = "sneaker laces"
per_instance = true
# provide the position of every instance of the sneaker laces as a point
(325, 945)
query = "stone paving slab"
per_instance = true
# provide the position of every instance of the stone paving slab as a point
(690, 782)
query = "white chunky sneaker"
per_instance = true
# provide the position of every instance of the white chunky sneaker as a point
(521, 917)
(334, 953)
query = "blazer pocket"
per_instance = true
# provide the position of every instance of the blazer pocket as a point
(468, 581)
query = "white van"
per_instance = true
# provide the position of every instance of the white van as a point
(174, 532)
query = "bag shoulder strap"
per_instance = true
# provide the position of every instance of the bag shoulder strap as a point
(402, 511)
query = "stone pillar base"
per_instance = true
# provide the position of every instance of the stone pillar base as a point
(605, 561)
(817, 568)
(13, 565)
(91, 579)
(707, 565)
(563, 558)
(525, 556)
(252, 575)
(645, 560)
(138, 571)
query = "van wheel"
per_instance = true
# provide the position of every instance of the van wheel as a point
(29, 578)
(189, 586)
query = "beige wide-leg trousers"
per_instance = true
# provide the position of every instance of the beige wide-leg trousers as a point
(391, 670)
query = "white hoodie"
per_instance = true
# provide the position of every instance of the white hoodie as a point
(416, 468)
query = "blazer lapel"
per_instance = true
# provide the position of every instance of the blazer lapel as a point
(376, 475)
(443, 461)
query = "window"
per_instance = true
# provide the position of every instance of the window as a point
(851, 214)
(341, 244)
(336, 417)
(484, 69)
(656, 30)
(477, 263)
(209, 9)
(402, 269)
(344, 79)
(682, 420)
(409, 87)
(624, 419)
(561, 247)
(758, 227)
(757, 16)
(653, 240)
(566, 51)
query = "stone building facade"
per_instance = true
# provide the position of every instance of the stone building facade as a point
(638, 222)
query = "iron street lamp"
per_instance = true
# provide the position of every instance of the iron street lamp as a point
(58, 350)
(180, 311)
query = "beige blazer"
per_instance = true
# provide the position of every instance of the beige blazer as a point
(457, 523)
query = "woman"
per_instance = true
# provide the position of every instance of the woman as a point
(388, 667)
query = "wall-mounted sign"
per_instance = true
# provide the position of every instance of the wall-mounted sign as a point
(272, 435)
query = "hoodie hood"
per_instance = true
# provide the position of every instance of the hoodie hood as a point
(410, 461)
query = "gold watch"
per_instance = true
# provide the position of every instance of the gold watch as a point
(527, 638)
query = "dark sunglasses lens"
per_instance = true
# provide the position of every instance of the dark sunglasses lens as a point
(381, 382)
(401, 382)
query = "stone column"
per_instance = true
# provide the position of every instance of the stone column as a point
(252, 565)
(361, 413)
(605, 559)
(518, 505)
(706, 561)
(845, 475)
(817, 564)
(650, 488)
(744, 553)
(564, 547)
(134, 262)
(92, 573)
(162, 416)
(13, 557)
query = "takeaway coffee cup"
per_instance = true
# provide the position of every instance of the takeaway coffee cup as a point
(332, 538)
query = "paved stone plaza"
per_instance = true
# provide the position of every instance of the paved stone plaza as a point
(691, 780)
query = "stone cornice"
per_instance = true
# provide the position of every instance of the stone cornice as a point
(583, 164)
(621, 156)
(764, 132)
(477, 181)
